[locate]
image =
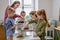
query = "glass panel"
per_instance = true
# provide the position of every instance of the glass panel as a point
(27, 2)
(11, 1)
(18, 10)
(28, 6)
(27, 10)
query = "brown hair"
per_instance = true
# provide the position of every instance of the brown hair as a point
(15, 3)
(33, 13)
(43, 13)
(23, 12)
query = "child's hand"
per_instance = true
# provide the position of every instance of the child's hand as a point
(35, 35)
(18, 24)
(26, 26)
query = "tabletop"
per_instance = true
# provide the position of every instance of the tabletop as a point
(28, 36)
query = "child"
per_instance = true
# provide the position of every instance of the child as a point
(41, 22)
(23, 14)
(33, 16)
(22, 18)
(9, 24)
(22, 21)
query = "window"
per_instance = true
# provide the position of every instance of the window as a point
(26, 5)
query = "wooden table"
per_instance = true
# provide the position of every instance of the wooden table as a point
(58, 32)
(29, 37)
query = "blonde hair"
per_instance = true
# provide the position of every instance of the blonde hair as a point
(10, 11)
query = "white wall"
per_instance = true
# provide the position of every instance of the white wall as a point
(56, 6)
(3, 4)
(47, 5)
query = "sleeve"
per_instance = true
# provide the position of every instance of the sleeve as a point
(6, 14)
(15, 15)
(41, 29)
(33, 21)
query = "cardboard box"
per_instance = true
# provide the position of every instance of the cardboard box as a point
(58, 23)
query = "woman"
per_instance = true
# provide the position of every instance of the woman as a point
(13, 6)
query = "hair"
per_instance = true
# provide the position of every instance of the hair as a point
(15, 2)
(43, 13)
(33, 13)
(10, 10)
(23, 12)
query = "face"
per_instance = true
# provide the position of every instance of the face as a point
(32, 16)
(39, 16)
(23, 14)
(16, 5)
